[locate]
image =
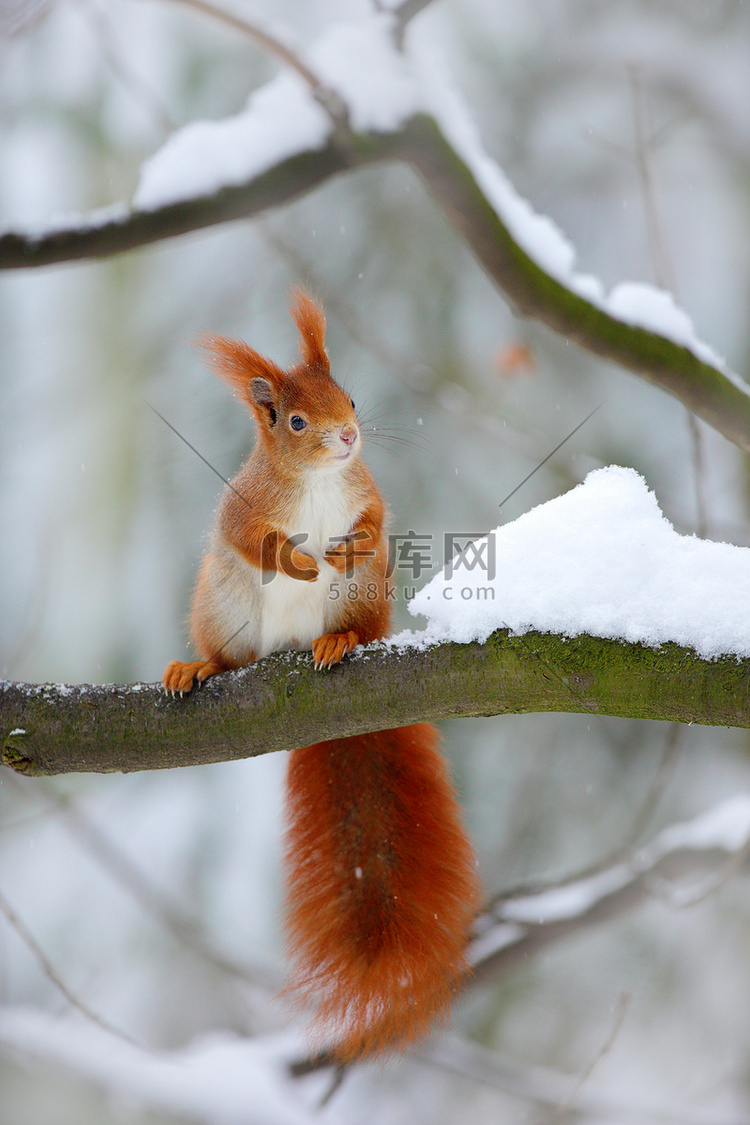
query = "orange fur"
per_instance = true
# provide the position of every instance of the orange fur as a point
(238, 364)
(311, 322)
(382, 883)
(382, 887)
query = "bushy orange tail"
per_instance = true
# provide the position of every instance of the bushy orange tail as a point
(381, 887)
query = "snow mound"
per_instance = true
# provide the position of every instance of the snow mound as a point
(601, 559)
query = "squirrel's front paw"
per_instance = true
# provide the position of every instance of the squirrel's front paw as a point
(305, 566)
(349, 552)
(341, 558)
(297, 564)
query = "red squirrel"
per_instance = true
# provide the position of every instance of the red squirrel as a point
(381, 878)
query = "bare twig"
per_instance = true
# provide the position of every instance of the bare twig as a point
(624, 847)
(53, 976)
(140, 90)
(646, 141)
(644, 146)
(698, 449)
(572, 1098)
(152, 899)
(516, 928)
(544, 1086)
(331, 102)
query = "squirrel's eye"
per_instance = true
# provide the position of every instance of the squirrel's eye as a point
(351, 400)
(297, 423)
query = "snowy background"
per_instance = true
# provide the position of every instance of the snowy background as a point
(154, 899)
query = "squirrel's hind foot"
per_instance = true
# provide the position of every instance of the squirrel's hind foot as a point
(333, 647)
(180, 678)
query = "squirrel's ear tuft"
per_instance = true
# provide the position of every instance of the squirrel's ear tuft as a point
(240, 366)
(311, 322)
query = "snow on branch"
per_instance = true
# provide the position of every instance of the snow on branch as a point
(600, 559)
(115, 230)
(709, 846)
(400, 104)
(637, 326)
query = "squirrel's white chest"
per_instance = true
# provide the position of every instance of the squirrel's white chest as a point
(322, 514)
(274, 610)
(294, 613)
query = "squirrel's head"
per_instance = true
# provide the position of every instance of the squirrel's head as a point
(304, 417)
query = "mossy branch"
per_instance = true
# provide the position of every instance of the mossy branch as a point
(282, 702)
(701, 387)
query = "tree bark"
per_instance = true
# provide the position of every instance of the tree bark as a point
(282, 702)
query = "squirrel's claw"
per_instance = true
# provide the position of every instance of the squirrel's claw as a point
(179, 678)
(333, 647)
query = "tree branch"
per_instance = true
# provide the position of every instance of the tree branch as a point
(328, 98)
(701, 387)
(712, 846)
(532, 292)
(404, 14)
(107, 234)
(282, 702)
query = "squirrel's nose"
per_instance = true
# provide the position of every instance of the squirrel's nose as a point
(348, 435)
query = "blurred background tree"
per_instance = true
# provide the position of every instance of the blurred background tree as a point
(627, 124)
